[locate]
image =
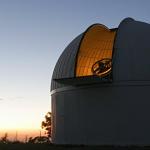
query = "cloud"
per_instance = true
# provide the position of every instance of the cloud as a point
(12, 98)
(19, 97)
(1, 99)
(16, 98)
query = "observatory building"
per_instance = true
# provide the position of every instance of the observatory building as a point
(100, 87)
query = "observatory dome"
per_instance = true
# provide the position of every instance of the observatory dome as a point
(100, 87)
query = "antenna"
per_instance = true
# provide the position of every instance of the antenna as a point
(40, 132)
(26, 138)
(16, 136)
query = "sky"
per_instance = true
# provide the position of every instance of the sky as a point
(33, 34)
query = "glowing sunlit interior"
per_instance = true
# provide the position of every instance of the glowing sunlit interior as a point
(96, 45)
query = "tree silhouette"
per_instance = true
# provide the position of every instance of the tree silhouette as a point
(4, 139)
(39, 139)
(46, 124)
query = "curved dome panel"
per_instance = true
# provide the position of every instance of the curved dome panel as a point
(66, 63)
(132, 51)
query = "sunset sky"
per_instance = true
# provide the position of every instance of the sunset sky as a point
(33, 33)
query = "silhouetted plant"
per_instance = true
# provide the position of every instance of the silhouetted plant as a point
(39, 139)
(30, 140)
(4, 139)
(46, 124)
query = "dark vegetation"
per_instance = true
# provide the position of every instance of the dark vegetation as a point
(31, 140)
(43, 143)
(47, 123)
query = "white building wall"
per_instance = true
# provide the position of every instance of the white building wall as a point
(117, 115)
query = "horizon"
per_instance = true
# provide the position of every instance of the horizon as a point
(33, 36)
(22, 135)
